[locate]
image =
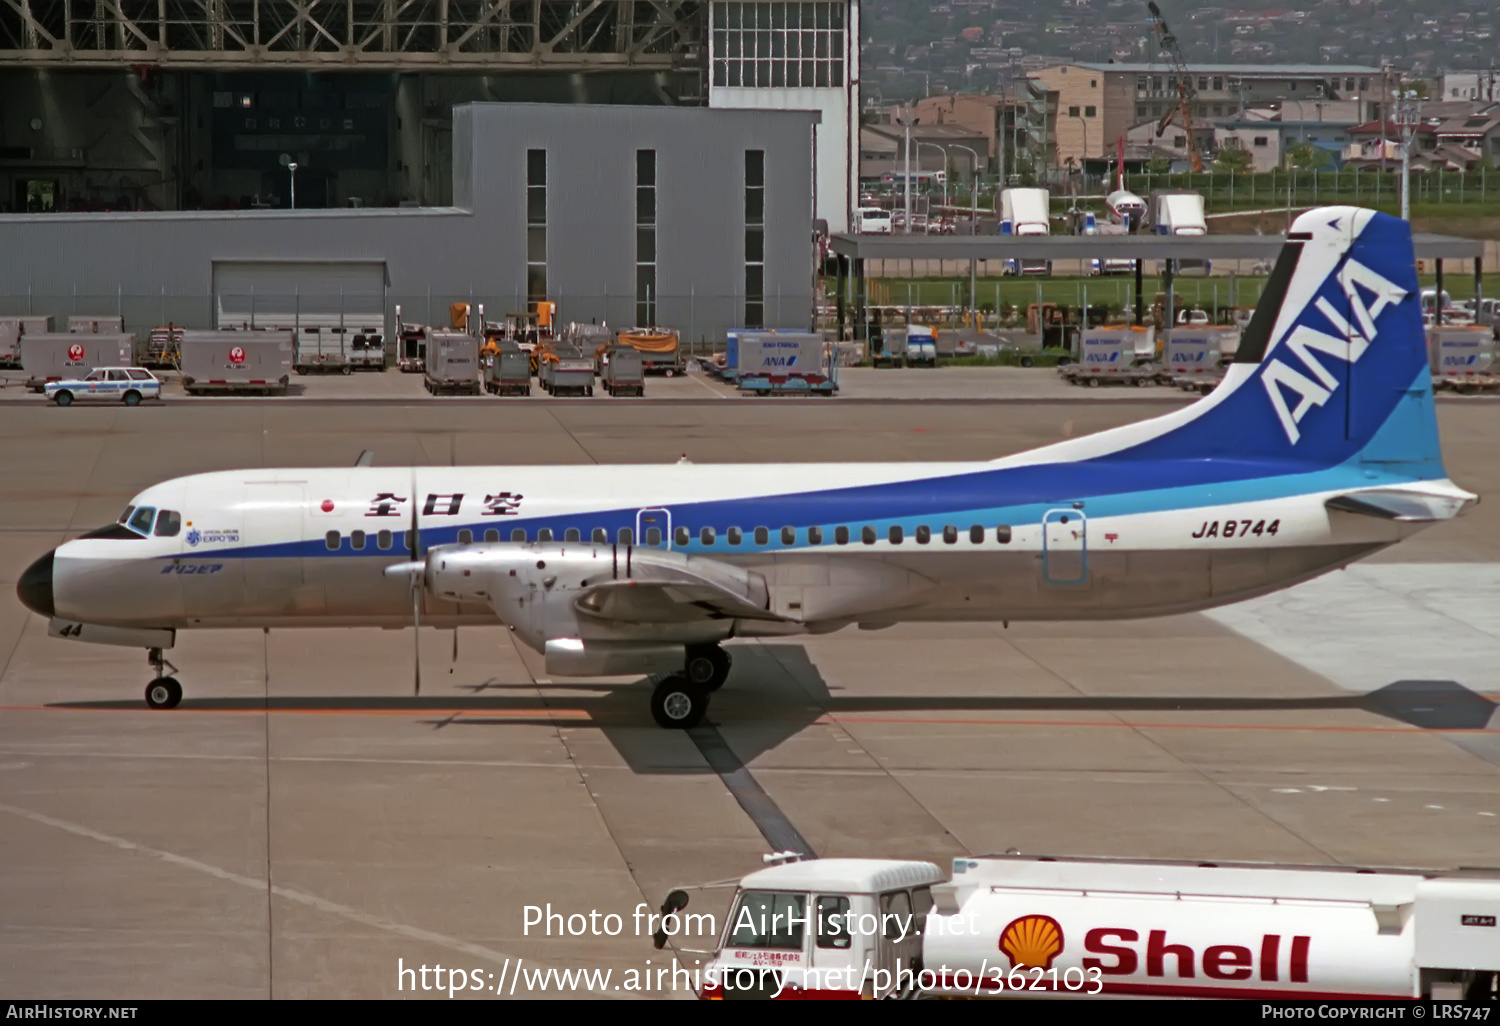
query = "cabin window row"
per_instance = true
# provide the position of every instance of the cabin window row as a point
(683, 536)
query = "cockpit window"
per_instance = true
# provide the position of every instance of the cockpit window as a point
(125, 517)
(168, 523)
(142, 519)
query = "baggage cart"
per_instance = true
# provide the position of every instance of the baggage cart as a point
(236, 361)
(565, 369)
(452, 365)
(508, 371)
(621, 372)
(55, 356)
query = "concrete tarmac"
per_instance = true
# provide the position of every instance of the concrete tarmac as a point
(302, 826)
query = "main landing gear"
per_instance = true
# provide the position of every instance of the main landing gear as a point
(164, 692)
(679, 701)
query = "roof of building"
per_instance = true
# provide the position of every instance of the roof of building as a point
(1143, 246)
(1244, 70)
(851, 876)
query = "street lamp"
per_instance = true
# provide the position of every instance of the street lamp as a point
(292, 167)
(1083, 161)
(1406, 120)
(904, 119)
(944, 155)
(973, 217)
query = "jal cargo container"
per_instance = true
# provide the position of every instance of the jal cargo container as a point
(12, 329)
(55, 356)
(1026, 926)
(83, 324)
(236, 361)
(1462, 358)
(452, 364)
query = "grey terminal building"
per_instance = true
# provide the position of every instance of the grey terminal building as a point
(694, 218)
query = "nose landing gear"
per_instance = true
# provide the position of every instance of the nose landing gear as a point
(164, 692)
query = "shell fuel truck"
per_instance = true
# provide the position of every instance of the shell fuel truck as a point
(1030, 926)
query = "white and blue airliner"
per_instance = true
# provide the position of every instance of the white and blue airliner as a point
(1319, 448)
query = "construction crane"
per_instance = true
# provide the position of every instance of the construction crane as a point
(1186, 94)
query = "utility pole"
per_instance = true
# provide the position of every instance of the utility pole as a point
(1406, 121)
(905, 120)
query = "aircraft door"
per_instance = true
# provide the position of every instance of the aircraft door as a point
(653, 528)
(210, 567)
(273, 535)
(1064, 547)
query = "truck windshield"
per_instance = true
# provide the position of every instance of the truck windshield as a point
(769, 919)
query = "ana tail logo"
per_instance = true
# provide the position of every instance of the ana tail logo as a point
(1032, 941)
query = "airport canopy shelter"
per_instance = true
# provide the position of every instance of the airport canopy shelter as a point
(851, 251)
(294, 294)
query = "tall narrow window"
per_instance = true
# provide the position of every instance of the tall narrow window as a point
(645, 237)
(755, 238)
(536, 225)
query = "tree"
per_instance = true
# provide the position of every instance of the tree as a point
(1159, 165)
(1305, 156)
(1234, 159)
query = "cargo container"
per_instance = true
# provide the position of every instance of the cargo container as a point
(1462, 359)
(508, 370)
(1112, 356)
(660, 349)
(452, 366)
(622, 373)
(784, 363)
(12, 329)
(565, 369)
(1028, 926)
(236, 361)
(55, 356)
(84, 324)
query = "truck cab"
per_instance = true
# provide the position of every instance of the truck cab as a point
(825, 928)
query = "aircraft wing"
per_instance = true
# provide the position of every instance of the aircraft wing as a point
(1441, 501)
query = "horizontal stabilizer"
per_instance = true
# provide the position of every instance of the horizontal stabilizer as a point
(1405, 505)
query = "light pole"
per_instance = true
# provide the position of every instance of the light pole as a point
(904, 119)
(973, 221)
(944, 155)
(1083, 160)
(1406, 120)
(292, 167)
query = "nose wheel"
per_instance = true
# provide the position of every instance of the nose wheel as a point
(164, 692)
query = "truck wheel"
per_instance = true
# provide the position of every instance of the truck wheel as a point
(132, 398)
(670, 372)
(591, 391)
(301, 370)
(63, 398)
(1093, 382)
(1027, 361)
(347, 370)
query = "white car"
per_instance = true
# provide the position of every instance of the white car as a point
(128, 385)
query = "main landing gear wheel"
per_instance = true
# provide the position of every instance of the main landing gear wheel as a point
(163, 693)
(708, 666)
(678, 704)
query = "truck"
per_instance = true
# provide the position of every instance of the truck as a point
(1177, 212)
(660, 349)
(54, 356)
(620, 371)
(1462, 359)
(784, 363)
(367, 349)
(12, 329)
(1112, 356)
(507, 371)
(452, 364)
(1036, 926)
(411, 346)
(236, 361)
(1026, 212)
(919, 345)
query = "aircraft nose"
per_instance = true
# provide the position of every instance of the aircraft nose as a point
(35, 587)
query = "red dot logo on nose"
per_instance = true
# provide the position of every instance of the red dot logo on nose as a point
(327, 506)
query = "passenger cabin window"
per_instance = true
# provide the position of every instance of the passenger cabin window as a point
(572, 535)
(815, 536)
(895, 534)
(653, 536)
(896, 915)
(762, 536)
(518, 534)
(681, 536)
(331, 539)
(383, 540)
(769, 919)
(465, 537)
(168, 523)
(706, 536)
(357, 540)
(735, 535)
(924, 534)
(788, 536)
(976, 534)
(867, 535)
(544, 535)
(491, 535)
(833, 921)
(841, 535)
(600, 536)
(141, 522)
(625, 536)
(950, 534)
(1002, 535)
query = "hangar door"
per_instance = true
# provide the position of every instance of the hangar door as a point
(300, 293)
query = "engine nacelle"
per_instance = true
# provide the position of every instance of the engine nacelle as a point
(574, 657)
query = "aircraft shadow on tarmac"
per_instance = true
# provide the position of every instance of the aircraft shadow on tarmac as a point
(775, 691)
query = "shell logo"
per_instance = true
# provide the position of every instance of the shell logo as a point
(1032, 941)
(237, 355)
(75, 352)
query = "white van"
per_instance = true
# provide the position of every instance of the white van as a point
(873, 221)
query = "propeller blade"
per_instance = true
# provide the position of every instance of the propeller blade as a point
(416, 593)
(455, 650)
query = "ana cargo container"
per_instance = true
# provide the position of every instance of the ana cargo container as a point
(784, 363)
(1024, 926)
(507, 371)
(83, 324)
(236, 361)
(1112, 356)
(621, 372)
(452, 366)
(1462, 358)
(660, 349)
(12, 329)
(55, 356)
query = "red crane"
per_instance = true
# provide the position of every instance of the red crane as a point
(1186, 94)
